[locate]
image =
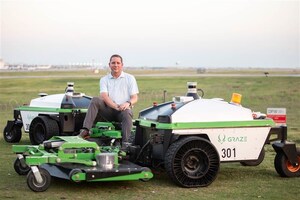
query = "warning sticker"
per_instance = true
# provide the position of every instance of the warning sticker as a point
(278, 115)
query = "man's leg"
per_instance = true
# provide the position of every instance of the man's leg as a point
(95, 105)
(126, 118)
(97, 110)
(92, 112)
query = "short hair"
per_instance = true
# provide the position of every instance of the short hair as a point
(116, 55)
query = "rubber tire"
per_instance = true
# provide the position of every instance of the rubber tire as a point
(14, 135)
(201, 92)
(19, 168)
(257, 162)
(39, 187)
(42, 128)
(201, 166)
(284, 168)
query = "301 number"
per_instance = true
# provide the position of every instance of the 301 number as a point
(228, 153)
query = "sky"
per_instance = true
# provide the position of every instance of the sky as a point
(153, 33)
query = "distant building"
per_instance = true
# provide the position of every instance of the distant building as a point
(201, 70)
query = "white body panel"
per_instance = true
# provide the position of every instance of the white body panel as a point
(28, 116)
(50, 101)
(211, 110)
(234, 144)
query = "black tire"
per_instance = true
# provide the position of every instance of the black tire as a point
(14, 135)
(201, 92)
(192, 162)
(257, 162)
(39, 187)
(74, 172)
(284, 168)
(42, 128)
(19, 168)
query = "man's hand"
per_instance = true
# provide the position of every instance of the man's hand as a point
(124, 106)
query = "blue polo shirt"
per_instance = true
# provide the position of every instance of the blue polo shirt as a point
(119, 89)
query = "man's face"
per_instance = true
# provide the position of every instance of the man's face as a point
(116, 65)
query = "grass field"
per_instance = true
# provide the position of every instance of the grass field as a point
(233, 182)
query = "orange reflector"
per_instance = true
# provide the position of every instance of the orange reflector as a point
(236, 98)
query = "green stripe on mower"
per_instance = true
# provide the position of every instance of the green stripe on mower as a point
(55, 110)
(130, 177)
(205, 125)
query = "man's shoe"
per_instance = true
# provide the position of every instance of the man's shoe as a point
(84, 133)
(125, 146)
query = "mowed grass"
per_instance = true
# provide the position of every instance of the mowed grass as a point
(233, 182)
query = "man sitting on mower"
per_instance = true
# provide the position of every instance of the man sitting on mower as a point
(118, 93)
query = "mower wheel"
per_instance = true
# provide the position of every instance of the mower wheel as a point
(20, 168)
(284, 167)
(145, 169)
(192, 162)
(74, 172)
(14, 135)
(34, 185)
(42, 128)
(259, 160)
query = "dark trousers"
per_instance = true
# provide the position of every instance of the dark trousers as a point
(99, 111)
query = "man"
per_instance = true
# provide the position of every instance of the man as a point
(118, 93)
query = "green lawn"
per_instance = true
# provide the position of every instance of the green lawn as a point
(233, 182)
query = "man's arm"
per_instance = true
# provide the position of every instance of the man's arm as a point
(108, 101)
(133, 99)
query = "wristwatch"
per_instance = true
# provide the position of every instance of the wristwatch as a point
(129, 103)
